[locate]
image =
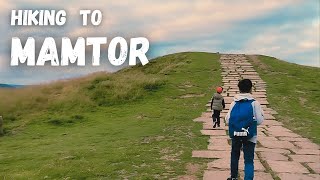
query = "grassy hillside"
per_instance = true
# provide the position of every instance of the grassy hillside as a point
(293, 91)
(136, 123)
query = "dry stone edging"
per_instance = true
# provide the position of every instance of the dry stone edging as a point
(282, 153)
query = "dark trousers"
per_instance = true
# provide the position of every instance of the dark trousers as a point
(216, 117)
(248, 151)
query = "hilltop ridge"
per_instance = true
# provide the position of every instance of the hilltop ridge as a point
(136, 123)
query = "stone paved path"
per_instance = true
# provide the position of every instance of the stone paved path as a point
(280, 153)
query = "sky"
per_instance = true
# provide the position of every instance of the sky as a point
(286, 29)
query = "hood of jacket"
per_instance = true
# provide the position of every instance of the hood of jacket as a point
(242, 96)
(217, 96)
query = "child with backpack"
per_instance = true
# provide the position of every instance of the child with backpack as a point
(243, 117)
(217, 104)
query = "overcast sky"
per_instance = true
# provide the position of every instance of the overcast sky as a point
(286, 29)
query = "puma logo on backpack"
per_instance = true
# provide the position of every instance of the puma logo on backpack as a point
(242, 123)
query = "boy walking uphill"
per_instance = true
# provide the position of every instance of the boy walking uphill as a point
(217, 104)
(243, 117)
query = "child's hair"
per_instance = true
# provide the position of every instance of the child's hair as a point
(245, 85)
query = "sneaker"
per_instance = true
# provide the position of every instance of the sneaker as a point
(218, 125)
(215, 124)
(232, 178)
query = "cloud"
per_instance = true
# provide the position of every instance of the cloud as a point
(200, 17)
(172, 20)
(6, 5)
(295, 42)
(289, 38)
(4, 63)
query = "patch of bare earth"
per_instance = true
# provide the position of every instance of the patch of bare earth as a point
(149, 139)
(302, 101)
(186, 85)
(168, 155)
(191, 95)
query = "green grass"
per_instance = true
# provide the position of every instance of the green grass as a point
(130, 124)
(293, 91)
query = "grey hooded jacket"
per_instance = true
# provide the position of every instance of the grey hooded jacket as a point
(217, 102)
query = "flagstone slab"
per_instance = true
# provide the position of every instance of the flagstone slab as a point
(269, 117)
(228, 86)
(261, 99)
(212, 138)
(294, 139)
(281, 151)
(225, 111)
(295, 176)
(206, 114)
(262, 176)
(277, 144)
(258, 93)
(306, 151)
(210, 154)
(259, 175)
(267, 138)
(262, 127)
(232, 94)
(261, 134)
(273, 156)
(219, 148)
(248, 70)
(259, 96)
(286, 167)
(283, 134)
(250, 73)
(259, 85)
(278, 129)
(218, 142)
(216, 174)
(210, 127)
(263, 106)
(273, 112)
(228, 99)
(262, 90)
(264, 103)
(227, 107)
(234, 82)
(223, 114)
(213, 132)
(306, 158)
(272, 123)
(251, 78)
(220, 164)
(307, 145)
(207, 125)
(234, 90)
